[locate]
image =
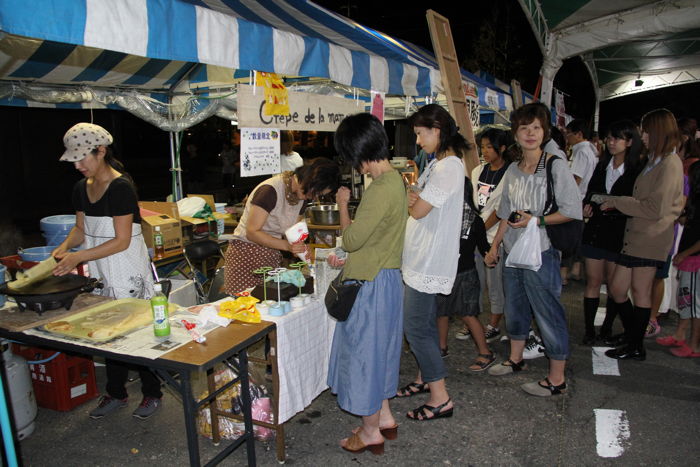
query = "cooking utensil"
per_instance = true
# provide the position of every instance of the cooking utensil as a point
(52, 292)
(324, 214)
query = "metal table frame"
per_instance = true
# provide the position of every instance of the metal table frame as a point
(222, 345)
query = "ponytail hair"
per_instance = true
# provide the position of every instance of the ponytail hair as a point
(435, 116)
(115, 163)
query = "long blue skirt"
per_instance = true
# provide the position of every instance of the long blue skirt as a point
(366, 351)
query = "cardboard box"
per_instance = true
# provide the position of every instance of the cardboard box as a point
(191, 228)
(169, 227)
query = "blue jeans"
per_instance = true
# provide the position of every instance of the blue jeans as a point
(420, 327)
(538, 291)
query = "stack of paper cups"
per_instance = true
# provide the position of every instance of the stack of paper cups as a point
(298, 233)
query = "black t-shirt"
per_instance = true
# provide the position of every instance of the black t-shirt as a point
(691, 233)
(118, 200)
(488, 181)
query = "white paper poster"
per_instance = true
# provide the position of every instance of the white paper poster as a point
(260, 151)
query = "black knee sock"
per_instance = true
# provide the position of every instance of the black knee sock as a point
(590, 307)
(610, 314)
(641, 319)
(626, 313)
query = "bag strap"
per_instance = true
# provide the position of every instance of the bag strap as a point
(550, 205)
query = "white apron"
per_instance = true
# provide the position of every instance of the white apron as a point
(126, 274)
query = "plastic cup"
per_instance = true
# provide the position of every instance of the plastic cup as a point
(286, 307)
(276, 310)
(262, 308)
(296, 302)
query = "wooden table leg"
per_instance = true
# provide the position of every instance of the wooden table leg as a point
(279, 427)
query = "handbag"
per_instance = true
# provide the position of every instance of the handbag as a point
(341, 295)
(565, 237)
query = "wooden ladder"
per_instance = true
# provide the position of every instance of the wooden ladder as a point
(441, 37)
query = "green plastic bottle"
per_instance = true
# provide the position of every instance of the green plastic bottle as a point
(159, 307)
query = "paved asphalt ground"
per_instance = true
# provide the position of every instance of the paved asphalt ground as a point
(495, 422)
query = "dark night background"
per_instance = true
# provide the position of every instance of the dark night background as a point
(492, 36)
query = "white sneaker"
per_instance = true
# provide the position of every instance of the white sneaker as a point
(463, 334)
(534, 348)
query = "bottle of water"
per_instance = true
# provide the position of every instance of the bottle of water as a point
(159, 307)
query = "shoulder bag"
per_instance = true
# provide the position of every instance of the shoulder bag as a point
(341, 295)
(564, 237)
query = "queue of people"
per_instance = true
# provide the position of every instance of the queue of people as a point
(420, 251)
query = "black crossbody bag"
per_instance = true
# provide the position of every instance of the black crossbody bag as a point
(341, 295)
(564, 237)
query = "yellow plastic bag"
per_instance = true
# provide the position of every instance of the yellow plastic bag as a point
(232, 309)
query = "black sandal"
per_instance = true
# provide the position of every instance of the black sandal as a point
(413, 388)
(490, 357)
(419, 413)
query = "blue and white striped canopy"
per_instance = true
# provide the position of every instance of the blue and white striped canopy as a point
(153, 44)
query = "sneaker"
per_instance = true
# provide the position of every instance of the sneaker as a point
(507, 367)
(106, 406)
(533, 348)
(505, 338)
(491, 333)
(653, 328)
(148, 407)
(463, 334)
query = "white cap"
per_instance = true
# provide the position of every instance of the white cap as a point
(82, 138)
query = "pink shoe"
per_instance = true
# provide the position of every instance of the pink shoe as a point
(653, 329)
(685, 352)
(670, 341)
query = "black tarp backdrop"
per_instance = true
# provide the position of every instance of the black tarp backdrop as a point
(35, 184)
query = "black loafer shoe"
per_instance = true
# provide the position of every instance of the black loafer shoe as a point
(626, 353)
(618, 340)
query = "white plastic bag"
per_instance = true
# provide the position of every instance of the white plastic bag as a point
(190, 206)
(526, 252)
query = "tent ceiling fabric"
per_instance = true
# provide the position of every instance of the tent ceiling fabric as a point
(621, 41)
(289, 37)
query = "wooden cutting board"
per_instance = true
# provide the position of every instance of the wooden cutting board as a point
(17, 321)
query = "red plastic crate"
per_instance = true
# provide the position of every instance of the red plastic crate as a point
(62, 383)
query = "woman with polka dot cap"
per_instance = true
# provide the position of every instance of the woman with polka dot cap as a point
(108, 227)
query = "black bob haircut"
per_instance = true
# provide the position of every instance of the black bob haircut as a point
(361, 138)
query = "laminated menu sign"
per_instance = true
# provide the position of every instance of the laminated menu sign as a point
(260, 151)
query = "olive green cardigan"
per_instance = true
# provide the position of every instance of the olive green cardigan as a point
(374, 240)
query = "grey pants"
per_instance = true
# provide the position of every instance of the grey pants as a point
(492, 280)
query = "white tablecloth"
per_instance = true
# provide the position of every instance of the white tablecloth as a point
(304, 340)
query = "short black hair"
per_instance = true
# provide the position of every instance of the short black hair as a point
(361, 138)
(317, 175)
(577, 125)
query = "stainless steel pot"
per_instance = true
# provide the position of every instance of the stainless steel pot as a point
(324, 214)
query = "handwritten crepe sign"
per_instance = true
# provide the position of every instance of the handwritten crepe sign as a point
(260, 151)
(307, 111)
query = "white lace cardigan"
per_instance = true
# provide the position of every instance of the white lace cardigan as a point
(431, 248)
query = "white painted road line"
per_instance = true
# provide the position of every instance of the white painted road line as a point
(612, 432)
(603, 365)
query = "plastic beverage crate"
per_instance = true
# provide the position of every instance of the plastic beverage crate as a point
(62, 383)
